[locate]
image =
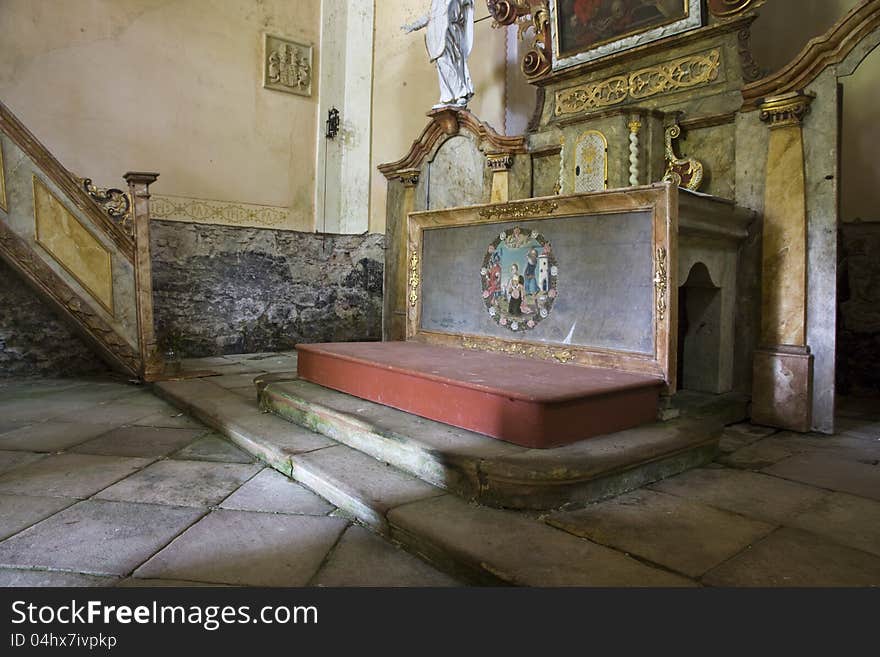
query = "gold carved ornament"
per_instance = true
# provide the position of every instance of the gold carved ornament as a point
(530, 15)
(520, 210)
(676, 75)
(661, 284)
(682, 172)
(730, 8)
(414, 279)
(518, 349)
(115, 203)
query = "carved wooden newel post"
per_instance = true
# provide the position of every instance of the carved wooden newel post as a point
(783, 366)
(139, 183)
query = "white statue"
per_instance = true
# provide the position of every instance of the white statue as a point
(450, 38)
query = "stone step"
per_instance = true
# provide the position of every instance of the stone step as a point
(492, 472)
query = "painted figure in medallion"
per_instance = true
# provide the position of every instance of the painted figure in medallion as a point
(449, 39)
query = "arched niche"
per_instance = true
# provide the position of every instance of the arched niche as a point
(699, 331)
(456, 175)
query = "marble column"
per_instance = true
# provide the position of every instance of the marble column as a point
(783, 366)
(152, 365)
(410, 179)
(500, 164)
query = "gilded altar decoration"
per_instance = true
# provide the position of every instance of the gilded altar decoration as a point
(519, 210)
(661, 284)
(677, 75)
(542, 352)
(115, 202)
(531, 16)
(586, 30)
(732, 8)
(591, 162)
(287, 66)
(414, 279)
(684, 172)
(519, 279)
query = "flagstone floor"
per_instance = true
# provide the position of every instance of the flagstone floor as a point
(104, 484)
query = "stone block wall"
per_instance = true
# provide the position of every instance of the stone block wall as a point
(33, 340)
(221, 290)
(858, 333)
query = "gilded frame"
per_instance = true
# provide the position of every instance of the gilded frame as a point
(692, 17)
(660, 199)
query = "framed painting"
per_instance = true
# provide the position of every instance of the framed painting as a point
(586, 30)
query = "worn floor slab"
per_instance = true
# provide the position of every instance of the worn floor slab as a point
(113, 412)
(181, 483)
(97, 537)
(69, 475)
(273, 492)
(358, 483)
(52, 436)
(363, 559)
(845, 519)
(18, 512)
(10, 460)
(248, 549)
(48, 578)
(39, 409)
(792, 557)
(494, 546)
(827, 471)
(213, 448)
(751, 494)
(145, 442)
(684, 536)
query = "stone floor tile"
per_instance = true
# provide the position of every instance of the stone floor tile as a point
(831, 472)
(69, 475)
(51, 578)
(39, 409)
(172, 418)
(11, 425)
(134, 582)
(758, 455)
(273, 492)
(359, 483)
(516, 549)
(97, 537)
(213, 448)
(845, 519)
(18, 512)
(792, 557)
(181, 483)
(204, 363)
(112, 412)
(861, 428)
(231, 367)
(9, 460)
(739, 435)
(146, 442)
(229, 381)
(52, 436)
(751, 494)
(363, 559)
(249, 549)
(686, 536)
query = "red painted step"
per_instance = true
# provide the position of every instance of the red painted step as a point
(523, 401)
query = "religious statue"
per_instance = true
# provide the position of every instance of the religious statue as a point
(449, 39)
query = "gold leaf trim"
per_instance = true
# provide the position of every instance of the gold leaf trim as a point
(519, 210)
(540, 352)
(414, 279)
(661, 284)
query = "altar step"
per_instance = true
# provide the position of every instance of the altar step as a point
(478, 544)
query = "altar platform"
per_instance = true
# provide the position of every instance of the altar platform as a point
(527, 402)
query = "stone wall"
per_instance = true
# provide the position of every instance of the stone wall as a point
(33, 340)
(220, 290)
(858, 346)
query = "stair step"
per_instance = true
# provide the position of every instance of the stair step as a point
(490, 471)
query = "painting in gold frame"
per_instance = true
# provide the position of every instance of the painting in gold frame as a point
(586, 30)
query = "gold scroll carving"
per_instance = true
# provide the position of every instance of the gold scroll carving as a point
(414, 279)
(542, 352)
(520, 210)
(676, 75)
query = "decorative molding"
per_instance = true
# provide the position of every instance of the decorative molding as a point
(224, 213)
(70, 244)
(51, 286)
(661, 284)
(115, 202)
(830, 49)
(437, 131)
(677, 75)
(4, 205)
(732, 8)
(287, 65)
(414, 278)
(519, 210)
(410, 177)
(750, 69)
(786, 110)
(634, 128)
(66, 182)
(541, 352)
(684, 172)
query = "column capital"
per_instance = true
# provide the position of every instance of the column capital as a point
(499, 161)
(140, 177)
(409, 177)
(786, 110)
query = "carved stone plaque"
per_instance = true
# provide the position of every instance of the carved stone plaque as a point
(287, 66)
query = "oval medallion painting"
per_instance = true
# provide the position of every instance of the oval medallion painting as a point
(519, 279)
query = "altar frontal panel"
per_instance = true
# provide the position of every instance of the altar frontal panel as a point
(580, 279)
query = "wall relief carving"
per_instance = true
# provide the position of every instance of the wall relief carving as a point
(287, 65)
